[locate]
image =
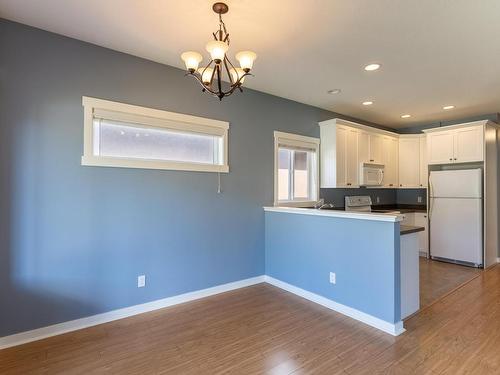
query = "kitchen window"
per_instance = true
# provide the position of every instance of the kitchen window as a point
(295, 170)
(123, 135)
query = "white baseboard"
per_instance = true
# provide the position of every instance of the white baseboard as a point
(393, 329)
(73, 325)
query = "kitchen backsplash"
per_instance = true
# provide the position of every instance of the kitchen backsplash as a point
(385, 196)
(411, 196)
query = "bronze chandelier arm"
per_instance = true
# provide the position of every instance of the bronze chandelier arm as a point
(220, 94)
(205, 88)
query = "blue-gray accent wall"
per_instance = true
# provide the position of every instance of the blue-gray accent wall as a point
(74, 238)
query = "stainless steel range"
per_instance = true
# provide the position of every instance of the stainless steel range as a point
(363, 203)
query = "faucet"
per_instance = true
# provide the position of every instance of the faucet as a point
(319, 205)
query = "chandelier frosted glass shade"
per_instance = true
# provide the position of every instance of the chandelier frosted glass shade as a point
(246, 59)
(206, 75)
(219, 77)
(192, 60)
(217, 50)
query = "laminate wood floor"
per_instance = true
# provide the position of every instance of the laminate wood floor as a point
(264, 330)
(439, 278)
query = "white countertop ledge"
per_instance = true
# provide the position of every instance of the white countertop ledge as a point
(339, 214)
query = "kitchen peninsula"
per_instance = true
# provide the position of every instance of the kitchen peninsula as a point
(364, 265)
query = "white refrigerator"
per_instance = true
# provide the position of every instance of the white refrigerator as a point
(456, 216)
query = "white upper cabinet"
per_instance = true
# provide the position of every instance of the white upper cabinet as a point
(390, 160)
(468, 146)
(363, 147)
(440, 147)
(412, 161)
(376, 142)
(409, 161)
(341, 164)
(352, 165)
(455, 144)
(345, 145)
(339, 156)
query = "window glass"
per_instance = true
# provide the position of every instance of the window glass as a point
(284, 159)
(295, 177)
(125, 140)
(300, 175)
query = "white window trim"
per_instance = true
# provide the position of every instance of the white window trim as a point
(151, 117)
(298, 141)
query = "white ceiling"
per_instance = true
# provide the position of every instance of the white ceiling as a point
(433, 52)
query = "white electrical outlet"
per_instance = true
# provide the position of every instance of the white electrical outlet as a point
(141, 281)
(333, 278)
(419, 199)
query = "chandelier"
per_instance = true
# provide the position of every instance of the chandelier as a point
(220, 67)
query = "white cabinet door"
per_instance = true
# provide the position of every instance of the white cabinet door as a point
(409, 162)
(462, 145)
(440, 147)
(468, 146)
(352, 165)
(341, 157)
(423, 163)
(408, 219)
(375, 148)
(390, 160)
(363, 147)
(423, 237)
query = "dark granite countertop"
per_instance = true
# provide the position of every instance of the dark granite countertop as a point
(403, 208)
(407, 229)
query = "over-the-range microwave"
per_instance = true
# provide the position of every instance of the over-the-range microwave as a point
(371, 174)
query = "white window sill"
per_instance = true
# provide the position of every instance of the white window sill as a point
(100, 161)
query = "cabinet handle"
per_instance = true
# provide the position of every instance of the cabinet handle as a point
(451, 159)
(455, 159)
(391, 184)
(400, 184)
(421, 185)
(372, 160)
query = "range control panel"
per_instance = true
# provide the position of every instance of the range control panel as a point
(358, 202)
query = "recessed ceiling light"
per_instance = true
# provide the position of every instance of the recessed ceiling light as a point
(405, 116)
(372, 67)
(448, 107)
(334, 91)
(367, 103)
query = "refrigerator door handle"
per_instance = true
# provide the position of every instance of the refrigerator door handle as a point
(431, 193)
(431, 200)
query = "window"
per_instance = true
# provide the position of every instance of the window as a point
(122, 135)
(296, 170)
